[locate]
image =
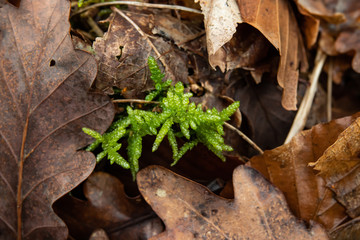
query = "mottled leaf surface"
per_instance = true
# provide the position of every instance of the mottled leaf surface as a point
(340, 167)
(190, 211)
(43, 104)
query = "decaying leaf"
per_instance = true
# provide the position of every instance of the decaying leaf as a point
(44, 103)
(190, 211)
(340, 167)
(123, 52)
(106, 207)
(287, 168)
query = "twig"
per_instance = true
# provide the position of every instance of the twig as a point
(305, 106)
(245, 137)
(134, 101)
(329, 89)
(139, 4)
(96, 29)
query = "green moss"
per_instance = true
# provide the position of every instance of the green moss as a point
(177, 118)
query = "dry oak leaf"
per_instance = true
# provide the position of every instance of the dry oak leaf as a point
(191, 211)
(340, 167)
(274, 19)
(44, 103)
(287, 168)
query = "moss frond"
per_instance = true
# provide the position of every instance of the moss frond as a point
(176, 112)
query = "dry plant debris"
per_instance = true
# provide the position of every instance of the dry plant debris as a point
(261, 53)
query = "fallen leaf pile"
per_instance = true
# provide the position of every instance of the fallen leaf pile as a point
(260, 53)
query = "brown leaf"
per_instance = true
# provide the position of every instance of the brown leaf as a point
(190, 211)
(44, 104)
(106, 207)
(123, 52)
(287, 168)
(275, 20)
(350, 41)
(340, 167)
(344, 35)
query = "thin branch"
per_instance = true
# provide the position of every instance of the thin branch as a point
(305, 106)
(139, 4)
(329, 89)
(244, 137)
(134, 101)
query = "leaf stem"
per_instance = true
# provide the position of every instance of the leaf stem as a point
(140, 4)
(241, 134)
(134, 101)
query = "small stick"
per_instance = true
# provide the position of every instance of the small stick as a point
(97, 30)
(134, 101)
(140, 4)
(329, 89)
(244, 137)
(305, 106)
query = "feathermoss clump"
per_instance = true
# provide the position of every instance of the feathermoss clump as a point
(177, 118)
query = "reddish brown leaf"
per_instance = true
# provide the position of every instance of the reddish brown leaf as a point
(44, 104)
(287, 168)
(190, 211)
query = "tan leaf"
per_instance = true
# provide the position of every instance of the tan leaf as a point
(190, 211)
(340, 167)
(287, 168)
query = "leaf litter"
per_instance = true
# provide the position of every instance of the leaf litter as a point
(259, 57)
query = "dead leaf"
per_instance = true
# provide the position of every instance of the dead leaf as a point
(287, 168)
(345, 35)
(106, 207)
(190, 211)
(123, 52)
(350, 41)
(44, 103)
(275, 20)
(340, 167)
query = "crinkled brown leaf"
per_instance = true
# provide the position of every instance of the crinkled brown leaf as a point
(44, 103)
(123, 52)
(190, 211)
(287, 168)
(275, 20)
(106, 207)
(340, 167)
